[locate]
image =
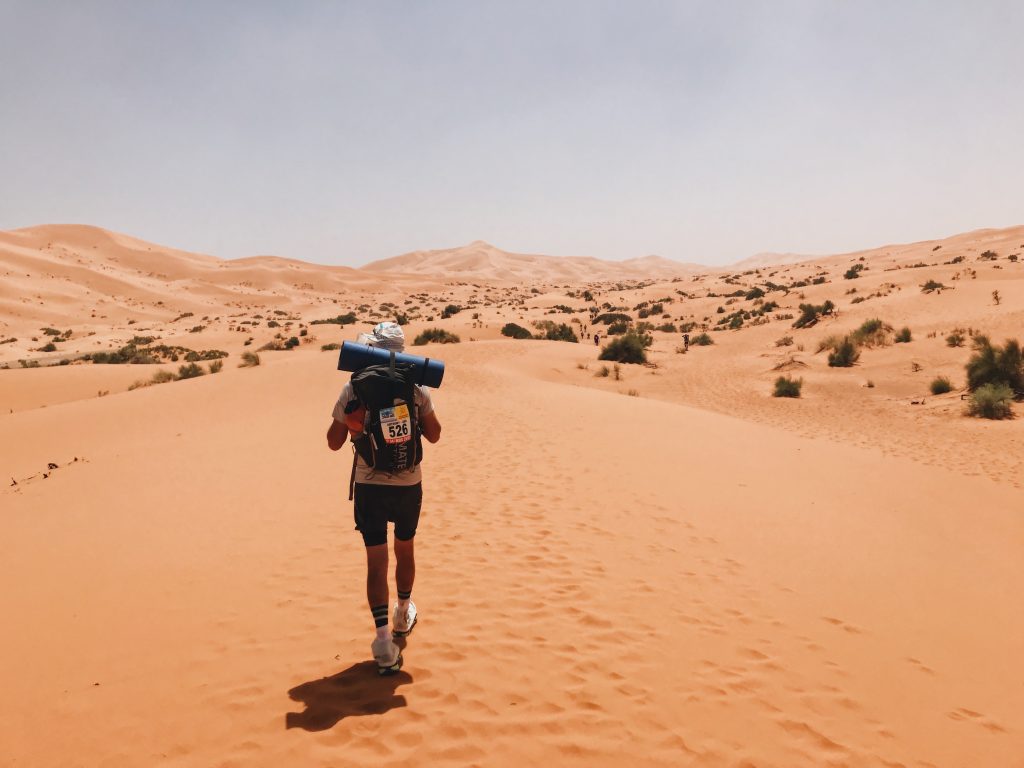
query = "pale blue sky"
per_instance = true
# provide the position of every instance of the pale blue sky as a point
(341, 132)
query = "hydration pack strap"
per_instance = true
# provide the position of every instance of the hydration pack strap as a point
(352, 477)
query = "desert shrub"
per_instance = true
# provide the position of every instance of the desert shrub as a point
(872, 333)
(629, 348)
(785, 341)
(329, 347)
(216, 365)
(514, 331)
(702, 340)
(450, 310)
(196, 328)
(291, 343)
(249, 360)
(902, 336)
(932, 285)
(753, 293)
(189, 371)
(560, 332)
(853, 272)
(667, 328)
(612, 317)
(603, 372)
(809, 314)
(162, 377)
(940, 385)
(436, 336)
(273, 324)
(274, 345)
(955, 339)
(991, 401)
(618, 328)
(844, 355)
(48, 347)
(787, 387)
(347, 319)
(991, 364)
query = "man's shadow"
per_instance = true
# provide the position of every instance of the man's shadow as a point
(359, 690)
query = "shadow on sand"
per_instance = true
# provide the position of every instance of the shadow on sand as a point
(359, 690)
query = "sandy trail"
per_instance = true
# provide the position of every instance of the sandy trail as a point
(601, 578)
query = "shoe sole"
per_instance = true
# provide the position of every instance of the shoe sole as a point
(393, 669)
(406, 633)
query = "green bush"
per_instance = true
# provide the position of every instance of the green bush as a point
(787, 387)
(809, 314)
(629, 348)
(702, 340)
(514, 331)
(902, 336)
(991, 401)
(618, 328)
(612, 317)
(941, 385)
(561, 332)
(844, 355)
(190, 371)
(435, 336)
(347, 319)
(996, 365)
(249, 360)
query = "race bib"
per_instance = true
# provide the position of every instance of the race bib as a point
(395, 424)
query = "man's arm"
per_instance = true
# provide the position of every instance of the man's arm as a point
(336, 435)
(430, 427)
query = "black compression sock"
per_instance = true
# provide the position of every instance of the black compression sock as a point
(380, 615)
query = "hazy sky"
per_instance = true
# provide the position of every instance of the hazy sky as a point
(341, 132)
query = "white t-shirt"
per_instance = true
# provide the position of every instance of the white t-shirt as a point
(364, 473)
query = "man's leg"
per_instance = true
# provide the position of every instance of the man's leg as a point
(377, 593)
(405, 569)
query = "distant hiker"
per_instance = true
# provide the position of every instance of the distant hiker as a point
(386, 495)
(686, 342)
(597, 339)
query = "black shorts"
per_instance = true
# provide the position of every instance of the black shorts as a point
(377, 505)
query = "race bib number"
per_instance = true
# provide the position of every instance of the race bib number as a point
(395, 424)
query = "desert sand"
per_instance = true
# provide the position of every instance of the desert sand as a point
(669, 566)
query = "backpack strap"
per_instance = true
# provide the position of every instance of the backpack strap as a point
(352, 477)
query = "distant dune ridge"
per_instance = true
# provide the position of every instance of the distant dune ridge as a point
(480, 260)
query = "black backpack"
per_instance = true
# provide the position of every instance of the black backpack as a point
(391, 440)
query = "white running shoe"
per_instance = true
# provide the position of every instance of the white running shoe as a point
(387, 655)
(403, 621)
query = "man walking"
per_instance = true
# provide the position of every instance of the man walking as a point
(380, 498)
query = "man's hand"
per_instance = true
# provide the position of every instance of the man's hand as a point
(336, 435)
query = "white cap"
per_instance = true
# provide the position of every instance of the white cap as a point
(386, 336)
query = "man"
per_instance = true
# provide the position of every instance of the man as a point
(381, 498)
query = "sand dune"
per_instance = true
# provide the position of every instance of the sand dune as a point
(195, 591)
(698, 574)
